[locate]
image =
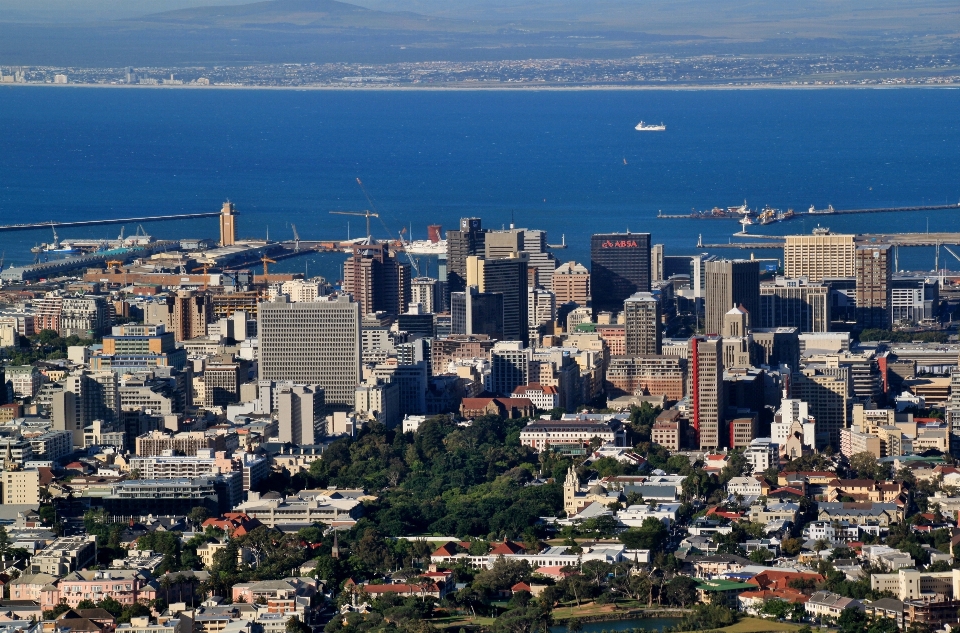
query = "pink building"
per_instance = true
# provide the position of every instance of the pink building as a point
(126, 586)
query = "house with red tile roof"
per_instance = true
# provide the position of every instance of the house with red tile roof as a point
(233, 523)
(425, 590)
(507, 548)
(752, 601)
(772, 580)
(510, 408)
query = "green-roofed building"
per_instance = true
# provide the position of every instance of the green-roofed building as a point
(728, 591)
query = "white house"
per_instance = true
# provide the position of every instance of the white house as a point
(744, 486)
(635, 515)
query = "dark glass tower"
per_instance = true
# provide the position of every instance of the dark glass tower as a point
(619, 268)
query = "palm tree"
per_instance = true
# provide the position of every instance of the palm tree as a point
(178, 580)
(165, 585)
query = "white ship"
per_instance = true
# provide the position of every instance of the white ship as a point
(647, 127)
(426, 247)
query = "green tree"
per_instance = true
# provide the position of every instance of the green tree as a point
(651, 535)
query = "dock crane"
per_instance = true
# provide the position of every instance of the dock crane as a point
(296, 239)
(266, 260)
(365, 213)
(114, 265)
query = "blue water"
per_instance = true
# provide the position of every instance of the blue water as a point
(551, 160)
(614, 626)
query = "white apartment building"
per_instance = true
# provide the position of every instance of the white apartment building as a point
(543, 397)
(762, 454)
(26, 380)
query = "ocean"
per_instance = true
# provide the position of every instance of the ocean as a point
(568, 162)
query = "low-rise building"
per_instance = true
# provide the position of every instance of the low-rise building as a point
(66, 554)
(825, 604)
(542, 435)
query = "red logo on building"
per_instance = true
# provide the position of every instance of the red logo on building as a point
(620, 244)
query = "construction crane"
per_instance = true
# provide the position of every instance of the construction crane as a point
(950, 250)
(365, 213)
(296, 239)
(206, 278)
(3, 257)
(401, 245)
(266, 260)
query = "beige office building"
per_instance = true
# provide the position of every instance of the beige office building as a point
(314, 343)
(571, 283)
(21, 487)
(818, 257)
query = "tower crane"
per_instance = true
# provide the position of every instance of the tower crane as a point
(365, 213)
(266, 260)
(206, 278)
(296, 239)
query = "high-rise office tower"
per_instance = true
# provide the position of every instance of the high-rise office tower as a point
(620, 267)
(730, 283)
(376, 279)
(314, 343)
(466, 241)
(705, 363)
(874, 286)
(507, 243)
(656, 263)
(827, 396)
(794, 303)
(228, 228)
(571, 283)
(475, 312)
(509, 367)
(301, 414)
(86, 396)
(423, 290)
(507, 276)
(641, 314)
(819, 256)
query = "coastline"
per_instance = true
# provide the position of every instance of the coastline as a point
(502, 87)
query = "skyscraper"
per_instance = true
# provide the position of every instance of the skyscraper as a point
(794, 303)
(705, 364)
(468, 240)
(620, 266)
(642, 322)
(509, 367)
(656, 263)
(475, 312)
(819, 256)
(376, 279)
(507, 276)
(730, 283)
(874, 286)
(228, 229)
(314, 343)
(423, 290)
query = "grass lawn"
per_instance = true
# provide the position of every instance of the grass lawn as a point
(758, 625)
(460, 620)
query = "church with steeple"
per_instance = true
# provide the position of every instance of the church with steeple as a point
(576, 499)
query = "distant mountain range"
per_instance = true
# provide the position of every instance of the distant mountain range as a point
(276, 31)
